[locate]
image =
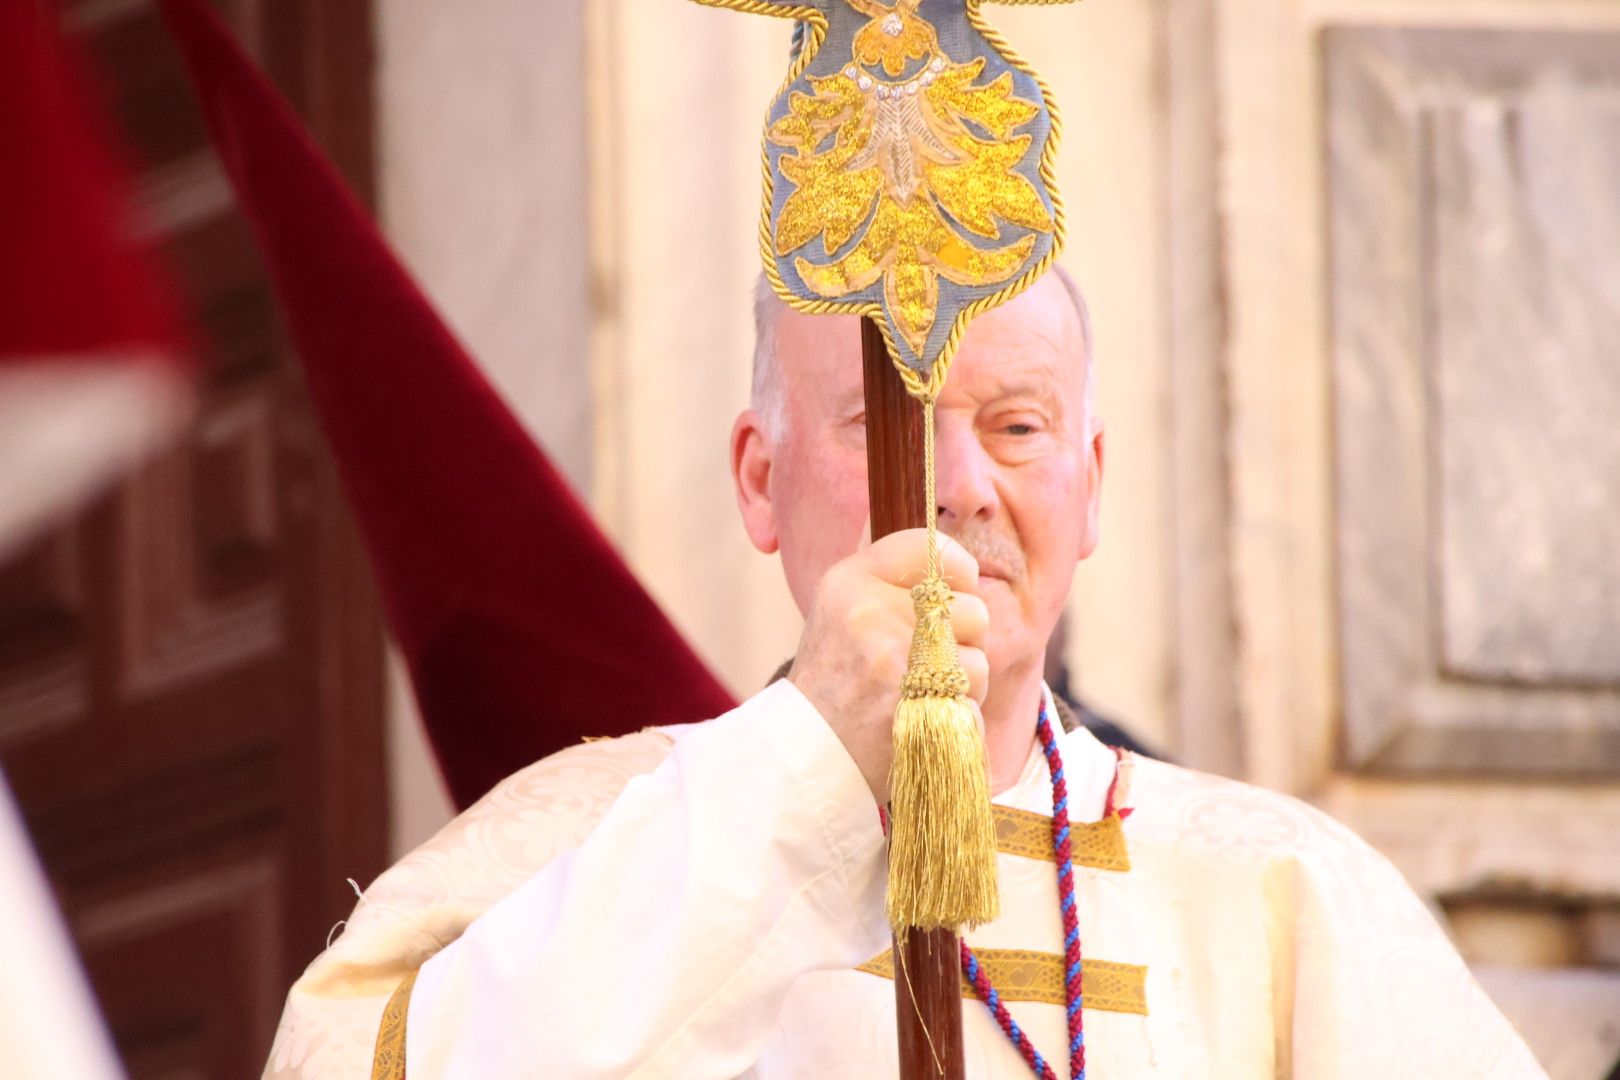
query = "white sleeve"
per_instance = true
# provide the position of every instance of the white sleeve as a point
(666, 944)
(1378, 989)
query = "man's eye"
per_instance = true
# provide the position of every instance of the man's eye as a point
(1019, 427)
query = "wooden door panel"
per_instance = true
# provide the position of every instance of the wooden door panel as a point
(191, 669)
(183, 1017)
(201, 593)
(44, 655)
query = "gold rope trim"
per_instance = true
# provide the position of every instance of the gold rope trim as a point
(1026, 975)
(388, 1059)
(1098, 844)
(916, 386)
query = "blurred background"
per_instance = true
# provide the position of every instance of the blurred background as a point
(1354, 267)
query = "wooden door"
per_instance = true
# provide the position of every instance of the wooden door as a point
(191, 702)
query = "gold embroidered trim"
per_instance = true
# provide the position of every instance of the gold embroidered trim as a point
(1097, 844)
(388, 1059)
(1026, 975)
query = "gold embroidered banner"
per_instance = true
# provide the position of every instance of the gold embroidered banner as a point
(1025, 975)
(908, 170)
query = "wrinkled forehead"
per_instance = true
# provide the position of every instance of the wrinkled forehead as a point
(1039, 336)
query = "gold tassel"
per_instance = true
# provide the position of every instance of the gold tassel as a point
(942, 839)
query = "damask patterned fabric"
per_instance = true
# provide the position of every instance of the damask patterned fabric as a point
(697, 901)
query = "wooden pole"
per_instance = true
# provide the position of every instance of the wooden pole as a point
(927, 964)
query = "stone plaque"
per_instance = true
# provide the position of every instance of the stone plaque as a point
(1474, 208)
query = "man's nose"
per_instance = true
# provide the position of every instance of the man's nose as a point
(964, 480)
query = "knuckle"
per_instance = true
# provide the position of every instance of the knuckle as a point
(974, 607)
(968, 613)
(859, 615)
(868, 617)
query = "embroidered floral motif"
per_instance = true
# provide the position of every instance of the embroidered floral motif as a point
(913, 171)
(909, 171)
(894, 36)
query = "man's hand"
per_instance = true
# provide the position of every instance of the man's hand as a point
(858, 635)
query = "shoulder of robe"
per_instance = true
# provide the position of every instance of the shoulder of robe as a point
(1254, 829)
(1375, 979)
(425, 901)
(1220, 814)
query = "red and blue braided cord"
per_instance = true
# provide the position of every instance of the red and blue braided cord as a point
(1072, 989)
(980, 982)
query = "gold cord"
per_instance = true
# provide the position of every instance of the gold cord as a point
(930, 490)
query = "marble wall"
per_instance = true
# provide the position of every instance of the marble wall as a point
(1475, 216)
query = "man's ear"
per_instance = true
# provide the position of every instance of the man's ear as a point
(1096, 458)
(751, 460)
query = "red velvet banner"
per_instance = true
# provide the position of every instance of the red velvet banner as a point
(74, 283)
(523, 629)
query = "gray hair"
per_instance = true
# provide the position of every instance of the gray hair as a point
(765, 389)
(765, 395)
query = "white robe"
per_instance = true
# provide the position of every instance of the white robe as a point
(695, 901)
(49, 1026)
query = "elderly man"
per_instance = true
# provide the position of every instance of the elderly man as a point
(707, 901)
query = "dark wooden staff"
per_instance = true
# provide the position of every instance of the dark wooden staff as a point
(927, 964)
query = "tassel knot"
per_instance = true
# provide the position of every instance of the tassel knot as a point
(942, 849)
(934, 669)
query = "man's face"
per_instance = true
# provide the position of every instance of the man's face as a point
(1019, 461)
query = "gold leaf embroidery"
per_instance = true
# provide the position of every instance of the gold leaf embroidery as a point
(991, 106)
(907, 170)
(894, 35)
(985, 187)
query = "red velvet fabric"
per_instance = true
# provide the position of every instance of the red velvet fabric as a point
(523, 629)
(74, 283)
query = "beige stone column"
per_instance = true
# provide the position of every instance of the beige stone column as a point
(482, 170)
